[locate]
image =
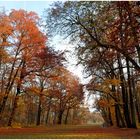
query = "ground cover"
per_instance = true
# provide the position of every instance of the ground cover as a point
(68, 131)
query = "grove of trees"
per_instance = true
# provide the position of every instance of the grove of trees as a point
(108, 36)
(35, 86)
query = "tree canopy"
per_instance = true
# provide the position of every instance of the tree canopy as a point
(108, 36)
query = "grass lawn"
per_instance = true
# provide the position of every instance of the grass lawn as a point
(68, 132)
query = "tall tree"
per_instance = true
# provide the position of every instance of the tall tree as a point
(108, 34)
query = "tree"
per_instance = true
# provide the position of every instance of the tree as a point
(68, 92)
(23, 46)
(87, 21)
(26, 40)
(108, 34)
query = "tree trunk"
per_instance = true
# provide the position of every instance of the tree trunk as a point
(18, 92)
(66, 119)
(132, 105)
(9, 87)
(119, 118)
(47, 117)
(14, 108)
(60, 114)
(124, 94)
(29, 117)
(109, 117)
(48, 112)
(116, 116)
(54, 119)
(39, 112)
(136, 99)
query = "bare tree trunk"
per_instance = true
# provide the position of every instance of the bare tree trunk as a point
(66, 119)
(9, 86)
(60, 114)
(13, 111)
(116, 116)
(54, 119)
(48, 111)
(18, 92)
(109, 117)
(47, 117)
(136, 99)
(124, 95)
(39, 112)
(132, 105)
(119, 119)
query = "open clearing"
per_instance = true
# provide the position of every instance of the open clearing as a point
(69, 131)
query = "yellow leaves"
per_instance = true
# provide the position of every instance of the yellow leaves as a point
(20, 102)
(115, 82)
(34, 90)
(46, 92)
(106, 89)
(106, 86)
(111, 102)
(16, 125)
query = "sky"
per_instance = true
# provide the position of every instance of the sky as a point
(57, 42)
(37, 6)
